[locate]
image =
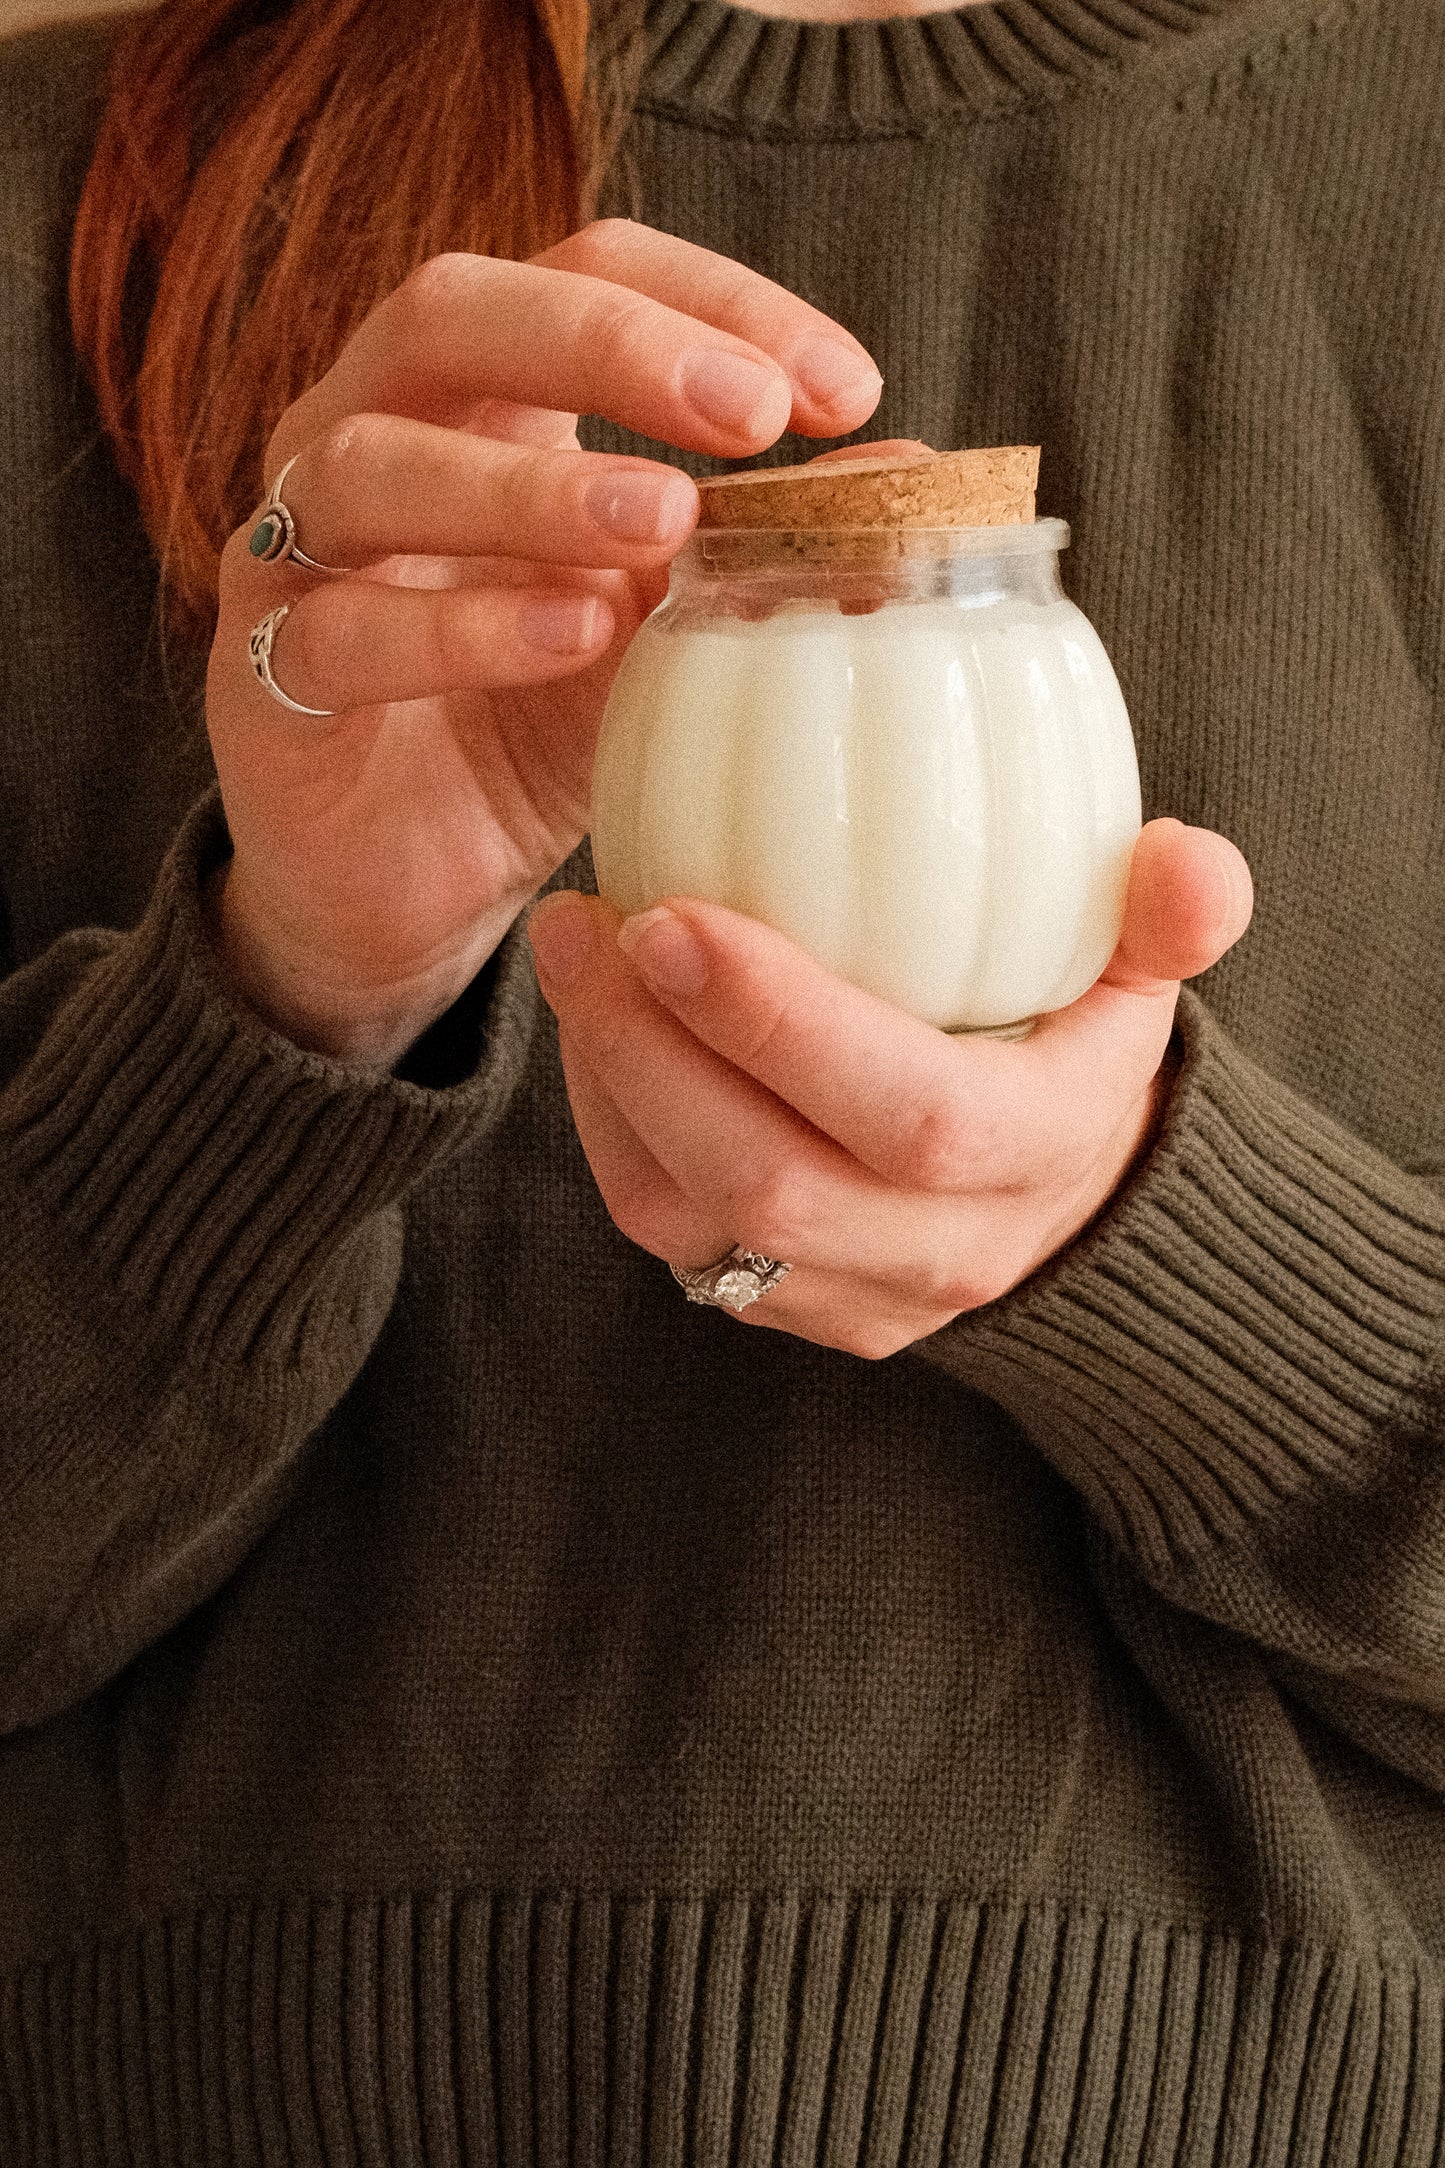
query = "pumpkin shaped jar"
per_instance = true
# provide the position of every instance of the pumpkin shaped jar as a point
(867, 714)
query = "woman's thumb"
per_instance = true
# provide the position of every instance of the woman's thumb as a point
(1189, 899)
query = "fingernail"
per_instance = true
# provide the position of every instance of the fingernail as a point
(642, 507)
(560, 624)
(560, 929)
(668, 956)
(736, 394)
(834, 374)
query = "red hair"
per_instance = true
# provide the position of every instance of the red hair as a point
(263, 175)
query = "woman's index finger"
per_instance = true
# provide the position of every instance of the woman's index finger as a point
(826, 365)
(879, 1082)
(465, 329)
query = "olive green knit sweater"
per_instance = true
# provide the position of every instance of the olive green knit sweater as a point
(461, 1704)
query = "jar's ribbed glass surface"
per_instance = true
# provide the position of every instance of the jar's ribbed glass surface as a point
(905, 749)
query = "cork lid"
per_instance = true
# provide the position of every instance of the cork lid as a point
(992, 488)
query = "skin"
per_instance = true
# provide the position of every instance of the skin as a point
(846, 11)
(725, 1087)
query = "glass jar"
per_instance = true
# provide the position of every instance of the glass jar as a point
(907, 750)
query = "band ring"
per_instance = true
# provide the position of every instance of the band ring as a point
(263, 639)
(273, 538)
(743, 1276)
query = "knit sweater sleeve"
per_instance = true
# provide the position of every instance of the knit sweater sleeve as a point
(200, 1238)
(1240, 1366)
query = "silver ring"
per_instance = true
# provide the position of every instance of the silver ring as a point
(273, 538)
(734, 1281)
(263, 639)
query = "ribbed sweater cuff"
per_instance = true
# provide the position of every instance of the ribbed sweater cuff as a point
(1257, 1314)
(205, 1165)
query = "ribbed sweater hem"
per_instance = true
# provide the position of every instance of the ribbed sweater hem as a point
(1257, 1315)
(580, 2029)
(206, 1165)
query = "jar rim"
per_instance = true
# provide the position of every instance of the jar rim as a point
(734, 547)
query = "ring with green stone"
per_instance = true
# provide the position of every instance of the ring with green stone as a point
(273, 538)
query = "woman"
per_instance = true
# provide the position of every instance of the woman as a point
(462, 1701)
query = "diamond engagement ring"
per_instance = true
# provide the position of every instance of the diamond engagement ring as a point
(734, 1281)
(273, 538)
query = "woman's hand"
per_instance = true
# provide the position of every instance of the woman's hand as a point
(728, 1089)
(381, 854)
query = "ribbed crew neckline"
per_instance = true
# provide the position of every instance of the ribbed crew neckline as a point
(727, 66)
